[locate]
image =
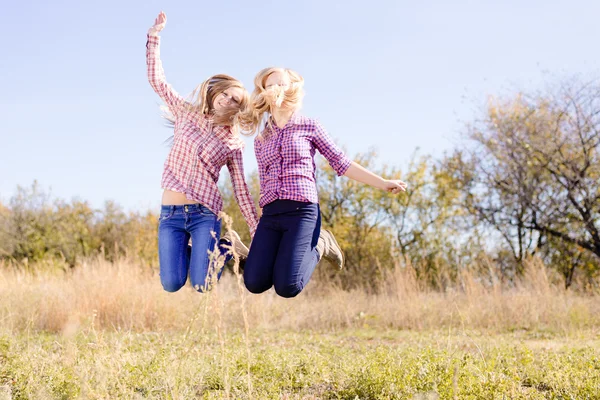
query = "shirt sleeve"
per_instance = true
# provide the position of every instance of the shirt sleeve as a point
(156, 76)
(240, 190)
(258, 155)
(332, 153)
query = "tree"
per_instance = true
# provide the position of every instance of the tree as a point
(533, 170)
(431, 228)
(353, 212)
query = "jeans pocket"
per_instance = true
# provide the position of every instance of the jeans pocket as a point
(204, 211)
(165, 215)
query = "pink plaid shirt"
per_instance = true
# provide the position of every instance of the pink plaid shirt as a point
(199, 149)
(286, 163)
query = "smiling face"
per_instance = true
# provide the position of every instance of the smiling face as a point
(221, 97)
(229, 98)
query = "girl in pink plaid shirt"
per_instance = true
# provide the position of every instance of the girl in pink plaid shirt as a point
(289, 242)
(205, 139)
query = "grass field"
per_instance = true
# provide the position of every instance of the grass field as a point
(348, 364)
(108, 331)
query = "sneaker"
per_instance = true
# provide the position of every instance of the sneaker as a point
(239, 248)
(329, 249)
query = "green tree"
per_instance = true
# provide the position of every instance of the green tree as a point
(353, 212)
(432, 230)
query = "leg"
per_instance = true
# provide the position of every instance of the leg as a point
(206, 265)
(258, 271)
(298, 256)
(172, 251)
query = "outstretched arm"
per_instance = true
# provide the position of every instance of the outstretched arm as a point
(344, 166)
(363, 175)
(156, 74)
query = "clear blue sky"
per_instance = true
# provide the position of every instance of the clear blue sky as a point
(79, 116)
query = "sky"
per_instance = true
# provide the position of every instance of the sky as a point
(79, 116)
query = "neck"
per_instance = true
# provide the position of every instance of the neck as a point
(281, 116)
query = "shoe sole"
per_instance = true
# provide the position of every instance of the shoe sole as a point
(339, 247)
(238, 242)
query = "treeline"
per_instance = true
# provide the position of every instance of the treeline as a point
(36, 229)
(523, 184)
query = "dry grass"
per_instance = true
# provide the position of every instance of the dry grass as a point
(114, 333)
(127, 297)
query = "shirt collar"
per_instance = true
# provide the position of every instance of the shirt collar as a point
(294, 120)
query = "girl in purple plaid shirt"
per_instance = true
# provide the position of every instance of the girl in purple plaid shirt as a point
(205, 139)
(289, 242)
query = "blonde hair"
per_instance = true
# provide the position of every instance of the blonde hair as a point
(202, 98)
(262, 100)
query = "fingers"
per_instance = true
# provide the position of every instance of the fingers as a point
(401, 184)
(160, 21)
(396, 187)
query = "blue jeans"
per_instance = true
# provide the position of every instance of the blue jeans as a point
(176, 225)
(283, 252)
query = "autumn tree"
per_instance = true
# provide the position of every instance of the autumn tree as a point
(532, 172)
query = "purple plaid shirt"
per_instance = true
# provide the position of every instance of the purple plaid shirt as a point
(199, 149)
(286, 159)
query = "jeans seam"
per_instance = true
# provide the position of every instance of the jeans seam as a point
(203, 285)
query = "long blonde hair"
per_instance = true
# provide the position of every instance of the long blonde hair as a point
(262, 100)
(201, 101)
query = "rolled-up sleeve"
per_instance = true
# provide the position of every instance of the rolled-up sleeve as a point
(332, 153)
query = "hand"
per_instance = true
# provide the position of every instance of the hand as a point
(159, 24)
(394, 186)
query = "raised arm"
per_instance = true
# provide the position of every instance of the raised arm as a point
(240, 189)
(156, 74)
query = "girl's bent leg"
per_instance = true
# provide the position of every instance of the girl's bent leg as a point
(172, 251)
(206, 264)
(298, 256)
(258, 271)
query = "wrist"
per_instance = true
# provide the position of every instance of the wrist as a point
(382, 183)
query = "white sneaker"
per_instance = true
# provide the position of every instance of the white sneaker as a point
(239, 248)
(329, 249)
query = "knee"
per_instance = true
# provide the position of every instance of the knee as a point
(202, 288)
(255, 286)
(288, 291)
(204, 285)
(172, 286)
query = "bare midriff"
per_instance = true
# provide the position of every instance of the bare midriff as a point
(171, 198)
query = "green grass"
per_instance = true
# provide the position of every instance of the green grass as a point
(348, 364)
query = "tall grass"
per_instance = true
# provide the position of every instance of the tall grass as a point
(126, 296)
